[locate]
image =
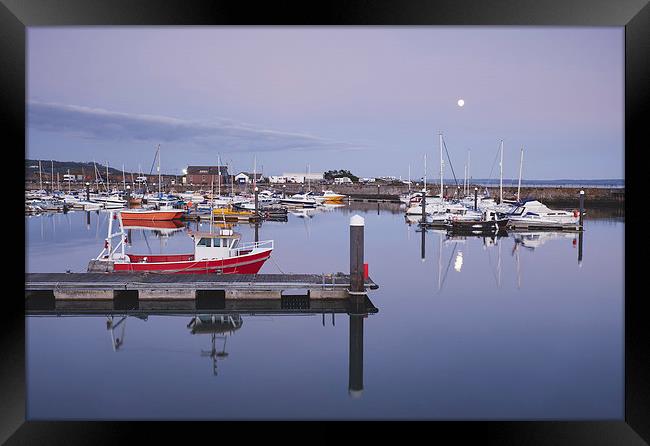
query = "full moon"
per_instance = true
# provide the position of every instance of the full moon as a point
(461, 102)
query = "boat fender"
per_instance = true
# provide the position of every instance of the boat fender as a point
(576, 212)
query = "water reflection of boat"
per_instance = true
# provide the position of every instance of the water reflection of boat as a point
(153, 224)
(218, 326)
(536, 239)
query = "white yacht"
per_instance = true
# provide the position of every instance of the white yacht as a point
(533, 214)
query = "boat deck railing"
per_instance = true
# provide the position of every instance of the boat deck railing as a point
(266, 244)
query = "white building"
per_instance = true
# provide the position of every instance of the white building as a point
(303, 177)
(246, 177)
(342, 180)
(277, 179)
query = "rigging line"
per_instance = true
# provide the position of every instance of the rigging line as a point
(447, 270)
(450, 164)
(276, 265)
(495, 162)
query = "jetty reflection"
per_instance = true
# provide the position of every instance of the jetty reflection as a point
(214, 317)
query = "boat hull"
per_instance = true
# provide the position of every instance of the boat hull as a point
(151, 215)
(185, 264)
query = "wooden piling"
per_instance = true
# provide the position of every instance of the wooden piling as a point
(582, 206)
(87, 191)
(475, 198)
(423, 202)
(356, 255)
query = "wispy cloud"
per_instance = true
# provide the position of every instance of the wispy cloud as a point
(227, 135)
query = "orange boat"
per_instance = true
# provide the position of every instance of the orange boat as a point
(151, 214)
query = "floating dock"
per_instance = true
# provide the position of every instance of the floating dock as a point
(107, 286)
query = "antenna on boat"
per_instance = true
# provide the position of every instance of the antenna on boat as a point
(52, 176)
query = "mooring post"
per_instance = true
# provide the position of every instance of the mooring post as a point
(87, 191)
(582, 206)
(475, 197)
(423, 202)
(357, 224)
(256, 201)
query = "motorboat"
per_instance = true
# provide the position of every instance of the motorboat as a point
(488, 222)
(302, 200)
(533, 214)
(214, 253)
(329, 196)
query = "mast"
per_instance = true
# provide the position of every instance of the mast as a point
(219, 173)
(40, 174)
(441, 168)
(425, 174)
(68, 180)
(107, 182)
(211, 202)
(501, 175)
(123, 178)
(58, 186)
(232, 184)
(254, 171)
(159, 175)
(52, 176)
(521, 162)
(465, 182)
(96, 182)
(468, 166)
(308, 178)
(409, 179)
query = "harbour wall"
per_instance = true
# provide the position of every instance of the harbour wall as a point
(553, 195)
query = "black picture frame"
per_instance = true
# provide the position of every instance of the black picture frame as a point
(634, 15)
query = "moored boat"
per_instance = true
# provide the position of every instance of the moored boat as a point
(163, 213)
(214, 252)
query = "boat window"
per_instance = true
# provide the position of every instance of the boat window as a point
(235, 242)
(204, 242)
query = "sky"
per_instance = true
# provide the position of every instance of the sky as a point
(368, 99)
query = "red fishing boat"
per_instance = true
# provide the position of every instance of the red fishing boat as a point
(214, 252)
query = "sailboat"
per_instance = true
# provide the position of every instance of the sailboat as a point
(161, 212)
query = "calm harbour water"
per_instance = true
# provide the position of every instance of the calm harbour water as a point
(511, 328)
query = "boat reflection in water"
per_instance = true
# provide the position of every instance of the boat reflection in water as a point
(529, 239)
(214, 316)
(219, 327)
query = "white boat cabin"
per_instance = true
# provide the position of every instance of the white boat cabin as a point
(215, 245)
